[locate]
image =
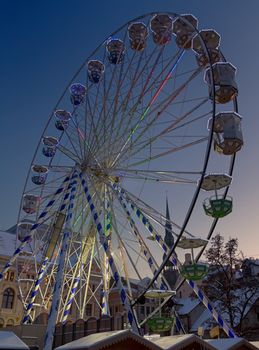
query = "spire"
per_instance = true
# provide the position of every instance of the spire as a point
(170, 273)
(169, 239)
(167, 210)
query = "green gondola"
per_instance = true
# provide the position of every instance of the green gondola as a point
(217, 206)
(160, 324)
(194, 271)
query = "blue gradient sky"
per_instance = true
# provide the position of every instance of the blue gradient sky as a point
(43, 43)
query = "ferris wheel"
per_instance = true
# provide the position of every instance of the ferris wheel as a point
(151, 112)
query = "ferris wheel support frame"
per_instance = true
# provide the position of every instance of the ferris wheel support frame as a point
(71, 298)
(35, 290)
(105, 245)
(40, 221)
(162, 282)
(60, 277)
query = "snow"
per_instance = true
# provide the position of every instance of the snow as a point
(8, 340)
(201, 320)
(100, 340)
(179, 341)
(229, 343)
(186, 305)
(7, 243)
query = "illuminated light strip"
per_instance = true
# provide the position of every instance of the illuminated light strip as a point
(27, 238)
(69, 303)
(81, 134)
(203, 298)
(104, 242)
(60, 272)
(150, 104)
(35, 291)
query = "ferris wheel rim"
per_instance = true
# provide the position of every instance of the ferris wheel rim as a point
(81, 67)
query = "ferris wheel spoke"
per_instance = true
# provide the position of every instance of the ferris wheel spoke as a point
(69, 154)
(163, 82)
(115, 100)
(151, 212)
(169, 151)
(124, 103)
(157, 59)
(125, 147)
(172, 127)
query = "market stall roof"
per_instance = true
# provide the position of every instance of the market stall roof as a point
(179, 342)
(231, 344)
(9, 340)
(102, 340)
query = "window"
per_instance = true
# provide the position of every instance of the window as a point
(88, 310)
(11, 276)
(116, 309)
(6, 276)
(148, 310)
(8, 299)
(142, 310)
(1, 323)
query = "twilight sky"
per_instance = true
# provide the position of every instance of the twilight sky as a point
(44, 42)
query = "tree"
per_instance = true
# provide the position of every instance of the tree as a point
(229, 284)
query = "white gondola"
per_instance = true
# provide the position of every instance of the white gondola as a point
(224, 79)
(184, 30)
(63, 115)
(63, 118)
(116, 51)
(228, 138)
(213, 182)
(95, 70)
(161, 27)
(23, 229)
(212, 41)
(138, 33)
(209, 36)
(50, 143)
(40, 174)
(30, 203)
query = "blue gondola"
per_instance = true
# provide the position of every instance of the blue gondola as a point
(77, 92)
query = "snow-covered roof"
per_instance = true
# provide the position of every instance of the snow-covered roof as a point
(177, 342)
(230, 343)
(8, 340)
(187, 305)
(255, 343)
(201, 320)
(101, 340)
(7, 243)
